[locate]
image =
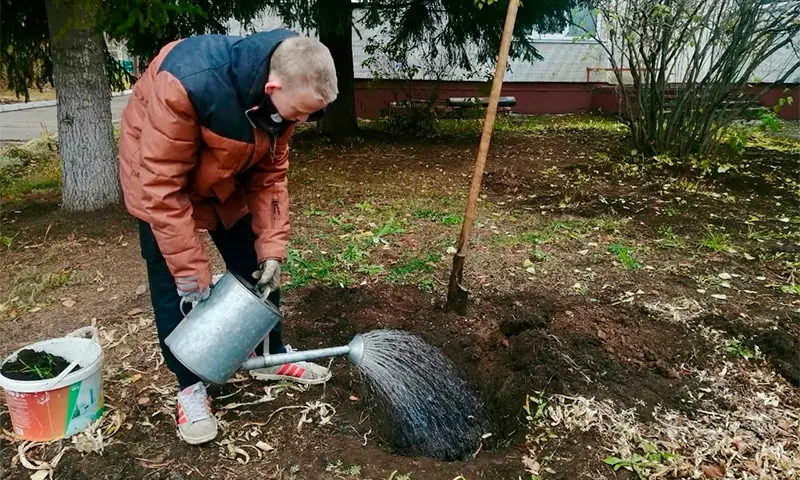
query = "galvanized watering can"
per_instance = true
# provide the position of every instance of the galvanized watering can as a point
(217, 337)
(220, 333)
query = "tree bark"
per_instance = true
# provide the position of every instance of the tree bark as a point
(85, 134)
(335, 28)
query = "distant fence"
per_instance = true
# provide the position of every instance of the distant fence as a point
(531, 97)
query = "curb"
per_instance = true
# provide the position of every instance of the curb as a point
(14, 107)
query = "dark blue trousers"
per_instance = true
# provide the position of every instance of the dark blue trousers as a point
(237, 247)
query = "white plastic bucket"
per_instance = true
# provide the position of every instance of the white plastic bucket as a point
(43, 410)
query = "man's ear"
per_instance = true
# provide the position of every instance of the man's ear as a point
(271, 86)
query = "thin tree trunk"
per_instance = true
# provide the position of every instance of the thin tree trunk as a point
(85, 134)
(335, 28)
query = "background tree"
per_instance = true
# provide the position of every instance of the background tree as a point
(85, 133)
(467, 36)
(64, 43)
(61, 42)
(692, 64)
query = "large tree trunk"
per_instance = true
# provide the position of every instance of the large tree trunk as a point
(85, 134)
(335, 28)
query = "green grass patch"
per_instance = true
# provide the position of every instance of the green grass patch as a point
(29, 168)
(644, 463)
(313, 211)
(716, 240)
(31, 285)
(539, 123)
(7, 240)
(736, 349)
(305, 267)
(340, 469)
(554, 229)
(390, 227)
(365, 207)
(624, 256)
(793, 289)
(740, 137)
(669, 238)
(516, 239)
(415, 270)
(438, 216)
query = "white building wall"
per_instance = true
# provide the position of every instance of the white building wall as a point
(564, 59)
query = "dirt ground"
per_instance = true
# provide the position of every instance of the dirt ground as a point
(621, 309)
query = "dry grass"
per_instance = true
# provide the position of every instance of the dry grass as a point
(47, 93)
(391, 214)
(759, 438)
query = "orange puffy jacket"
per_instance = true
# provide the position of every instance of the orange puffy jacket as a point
(190, 158)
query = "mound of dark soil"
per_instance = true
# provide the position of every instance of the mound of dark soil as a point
(32, 365)
(781, 347)
(511, 347)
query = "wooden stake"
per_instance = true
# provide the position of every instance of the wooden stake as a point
(456, 293)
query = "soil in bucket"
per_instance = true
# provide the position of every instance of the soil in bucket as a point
(32, 365)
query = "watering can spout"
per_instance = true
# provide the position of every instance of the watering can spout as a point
(354, 352)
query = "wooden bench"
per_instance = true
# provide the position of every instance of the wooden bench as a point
(457, 107)
(461, 102)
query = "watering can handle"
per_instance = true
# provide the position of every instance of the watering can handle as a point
(81, 332)
(183, 302)
(263, 296)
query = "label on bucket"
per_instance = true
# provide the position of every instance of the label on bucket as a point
(43, 416)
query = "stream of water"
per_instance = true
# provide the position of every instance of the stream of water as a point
(426, 406)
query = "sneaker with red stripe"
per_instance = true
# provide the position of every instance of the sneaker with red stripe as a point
(300, 372)
(196, 423)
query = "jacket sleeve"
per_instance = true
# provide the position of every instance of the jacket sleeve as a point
(268, 201)
(169, 144)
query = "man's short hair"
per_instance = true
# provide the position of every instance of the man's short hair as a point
(305, 62)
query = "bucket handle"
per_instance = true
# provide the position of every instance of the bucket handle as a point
(81, 332)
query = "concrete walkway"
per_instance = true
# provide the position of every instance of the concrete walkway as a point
(24, 125)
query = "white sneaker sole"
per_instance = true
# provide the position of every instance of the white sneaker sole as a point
(267, 377)
(197, 440)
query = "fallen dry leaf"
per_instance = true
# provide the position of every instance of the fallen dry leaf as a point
(739, 445)
(531, 465)
(40, 475)
(132, 379)
(141, 289)
(712, 471)
(353, 398)
(264, 446)
(143, 401)
(69, 303)
(135, 311)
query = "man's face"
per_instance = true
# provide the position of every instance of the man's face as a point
(295, 104)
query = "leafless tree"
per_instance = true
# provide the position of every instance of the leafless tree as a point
(693, 64)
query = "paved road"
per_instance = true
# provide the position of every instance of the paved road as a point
(27, 124)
